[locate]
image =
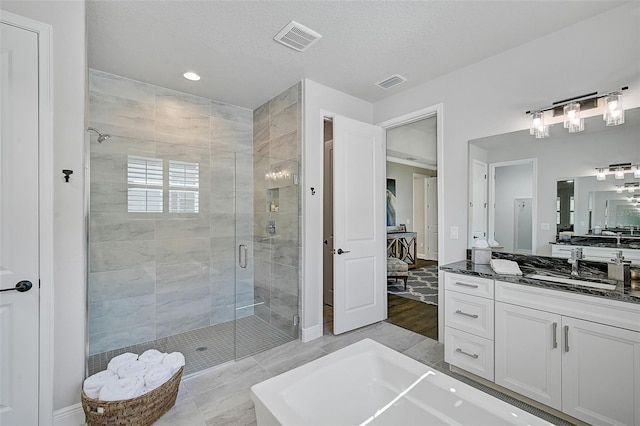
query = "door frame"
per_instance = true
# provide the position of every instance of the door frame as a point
(471, 192)
(438, 111)
(491, 226)
(45, 209)
(424, 209)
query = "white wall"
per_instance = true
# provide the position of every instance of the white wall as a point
(491, 96)
(318, 98)
(69, 78)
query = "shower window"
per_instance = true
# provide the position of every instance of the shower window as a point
(144, 180)
(184, 183)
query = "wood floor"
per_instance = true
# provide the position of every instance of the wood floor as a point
(416, 316)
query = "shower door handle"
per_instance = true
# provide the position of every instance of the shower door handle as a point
(242, 255)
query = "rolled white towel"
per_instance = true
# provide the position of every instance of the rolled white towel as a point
(132, 369)
(152, 356)
(156, 375)
(93, 384)
(119, 360)
(121, 389)
(174, 360)
(505, 267)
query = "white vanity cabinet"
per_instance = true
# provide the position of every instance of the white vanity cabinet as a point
(598, 254)
(469, 323)
(528, 353)
(577, 354)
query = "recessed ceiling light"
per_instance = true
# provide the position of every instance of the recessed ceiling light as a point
(191, 76)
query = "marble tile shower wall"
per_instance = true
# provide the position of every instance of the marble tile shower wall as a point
(153, 275)
(277, 141)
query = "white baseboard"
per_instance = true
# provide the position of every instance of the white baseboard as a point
(311, 333)
(72, 415)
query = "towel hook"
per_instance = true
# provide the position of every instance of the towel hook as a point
(67, 173)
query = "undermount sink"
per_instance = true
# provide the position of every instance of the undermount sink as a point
(572, 281)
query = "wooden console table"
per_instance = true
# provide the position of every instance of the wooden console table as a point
(402, 245)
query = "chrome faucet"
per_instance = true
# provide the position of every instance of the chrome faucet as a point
(618, 236)
(576, 255)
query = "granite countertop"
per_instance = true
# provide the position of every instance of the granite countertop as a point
(626, 242)
(553, 267)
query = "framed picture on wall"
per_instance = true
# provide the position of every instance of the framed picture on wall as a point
(391, 202)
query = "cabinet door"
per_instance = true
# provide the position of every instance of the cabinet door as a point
(528, 353)
(600, 373)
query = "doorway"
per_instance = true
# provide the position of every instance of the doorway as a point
(512, 201)
(353, 229)
(412, 173)
(435, 112)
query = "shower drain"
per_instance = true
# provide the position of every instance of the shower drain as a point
(202, 348)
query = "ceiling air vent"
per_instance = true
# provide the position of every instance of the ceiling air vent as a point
(297, 36)
(394, 80)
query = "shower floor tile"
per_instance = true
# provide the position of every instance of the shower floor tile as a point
(207, 347)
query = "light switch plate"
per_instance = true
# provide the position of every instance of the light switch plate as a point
(453, 232)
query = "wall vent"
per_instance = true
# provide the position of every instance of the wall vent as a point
(388, 83)
(297, 36)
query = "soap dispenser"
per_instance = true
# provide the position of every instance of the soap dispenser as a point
(619, 269)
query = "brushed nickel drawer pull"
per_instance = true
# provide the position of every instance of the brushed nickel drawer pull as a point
(555, 335)
(460, 351)
(466, 285)
(466, 314)
(566, 338)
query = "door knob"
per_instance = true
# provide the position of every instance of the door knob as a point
(340, 251)
(21, 287)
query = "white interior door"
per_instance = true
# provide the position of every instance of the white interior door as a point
(420, 214)
(19, 248)
(431, 190)
(359, 224)
(478, 207)
(327, 256)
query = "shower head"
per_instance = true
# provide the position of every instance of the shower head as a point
(101, 136)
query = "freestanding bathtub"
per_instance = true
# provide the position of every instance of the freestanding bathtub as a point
(368, 383)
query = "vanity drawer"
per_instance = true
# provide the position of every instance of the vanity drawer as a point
(469, 352)
(469, 284)
(471, 314)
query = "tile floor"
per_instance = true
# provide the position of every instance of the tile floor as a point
(221, 395)
(209, 346)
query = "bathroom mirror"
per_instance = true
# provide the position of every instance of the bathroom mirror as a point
(600, 207)
(560, 157)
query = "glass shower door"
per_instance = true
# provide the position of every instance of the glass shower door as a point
(267, 253)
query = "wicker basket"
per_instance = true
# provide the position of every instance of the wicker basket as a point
(140, 411)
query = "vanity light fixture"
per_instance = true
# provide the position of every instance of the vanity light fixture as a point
(572, 120)
(619, 189)
(538, 129)
(571, 109)
(630, 187)
(618, 170)
(613, 112)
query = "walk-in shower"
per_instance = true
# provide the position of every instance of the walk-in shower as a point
(194, 235)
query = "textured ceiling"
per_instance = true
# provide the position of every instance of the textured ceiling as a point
(230, 43)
